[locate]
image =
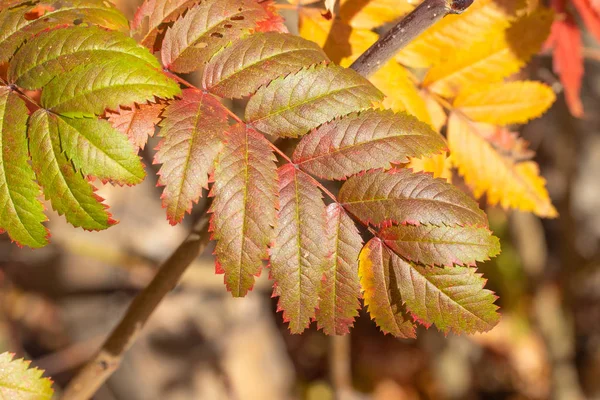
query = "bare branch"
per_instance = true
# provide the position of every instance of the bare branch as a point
(411, 26)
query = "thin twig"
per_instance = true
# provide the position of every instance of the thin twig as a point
(411, 26)
(95, 373)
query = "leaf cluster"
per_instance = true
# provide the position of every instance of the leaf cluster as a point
(94, 83)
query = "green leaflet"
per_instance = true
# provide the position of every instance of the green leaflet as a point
(68, 191)
(46, 56)
(378, 285)
(291, 106)
(19, 382)
(256, 60)
(21, 213)
(205, 29)
(90, 89)
(97, 149)
(17, 25)
(340, 290)
(298, 255)
(368, 140)
(441, 245)
(193, 130)
(244, 207)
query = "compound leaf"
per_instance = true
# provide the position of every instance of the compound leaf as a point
(99, 150)
(380, 292)
(291, 106)
(206, 29)
(20, 23)
(244, 207)
(68, 191)
(21, 213)
(338, 304)
(192, 132)
(505, 103)
(298, 256)
(46, 56)
(137, 122)
(486, 170)
(441, 245)
(367, 140)
(492, 58)
(452, 298)
(256, 60)
(401, 196)
(19, 382)
(90, 89)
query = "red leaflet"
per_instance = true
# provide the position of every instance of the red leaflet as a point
(137, 122)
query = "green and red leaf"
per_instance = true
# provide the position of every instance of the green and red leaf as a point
(297, 103)
(244, 207)
(441, 245)
(298, 256)
(401, 196)
(340, 290)
(21, 213)
(20, 382)
(368, 140)
(68, 191)
(256, 60)
(205, 29)
(192, 131)
(380, 292)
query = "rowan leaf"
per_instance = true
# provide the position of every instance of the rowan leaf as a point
(441, 245)
(505, 180)
(137, 122)
(568, 60)
(20, 23)
(21, 213)
(452, 298)
(361, 14)
(291, 106)
(151, 18)
(340, 290)
(244, 207)
(492, 58)
(192, 132)
(256, 60)
(19, 382)
(505, 103)
(207, 28)
(380, 293)
(298, 256)
(69, 192)
(371, 139)
(401, 196)
(440, 43)
(46, 56)
(90, 89)
(400, 91)
(98, 150)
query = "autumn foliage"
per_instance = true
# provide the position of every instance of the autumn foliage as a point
(104, 86)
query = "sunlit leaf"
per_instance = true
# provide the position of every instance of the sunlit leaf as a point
(20, 382)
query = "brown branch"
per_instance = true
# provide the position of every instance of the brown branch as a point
(108, 359)
(411, 26)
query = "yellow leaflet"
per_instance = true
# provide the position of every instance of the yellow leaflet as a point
(439, 165)
(369, 14)
(507, 182)
(493, 58)
(436, 111)
(400, 91)
(344, 43)
(439, 43)
(505, 103)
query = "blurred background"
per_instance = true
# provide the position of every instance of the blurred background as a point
(57, 304)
